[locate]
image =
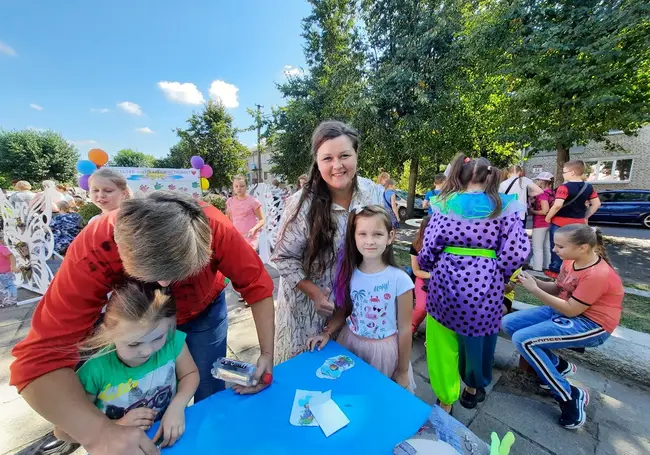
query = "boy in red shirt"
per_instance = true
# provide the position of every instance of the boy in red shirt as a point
(575, 201)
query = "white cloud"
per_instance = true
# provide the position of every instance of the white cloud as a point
(292, 71)
(99, 110)
(84, 142)
(7, 49)
(36, 106)
(130, 108)
(224, 92)
(182, 93)
(145, 130)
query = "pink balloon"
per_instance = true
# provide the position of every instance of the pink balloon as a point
(83, 182)
(206, 171)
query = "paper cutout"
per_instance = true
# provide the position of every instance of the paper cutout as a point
(301, 415)
(333, 367)
(327, 413)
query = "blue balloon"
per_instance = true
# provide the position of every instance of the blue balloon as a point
(86, 167)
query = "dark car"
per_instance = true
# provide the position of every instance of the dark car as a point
(624, 206)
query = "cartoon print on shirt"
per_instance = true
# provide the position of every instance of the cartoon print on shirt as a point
(154, 391)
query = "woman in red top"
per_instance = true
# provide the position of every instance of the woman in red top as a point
(165, 239)
(584, 308)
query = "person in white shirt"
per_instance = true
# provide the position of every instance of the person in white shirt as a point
(374, 298)
(517, 183)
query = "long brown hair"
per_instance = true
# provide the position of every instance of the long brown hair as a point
(134, 302)
(350, 257)
(465, 170)
(320, 254)
(582, 234)
(419, 238)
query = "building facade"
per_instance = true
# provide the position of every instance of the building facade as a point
(252, 166)
(625, 167)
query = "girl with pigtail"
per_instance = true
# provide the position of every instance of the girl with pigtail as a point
(583, 307)
(473, 244)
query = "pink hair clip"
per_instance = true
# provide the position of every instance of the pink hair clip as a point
(467, 160)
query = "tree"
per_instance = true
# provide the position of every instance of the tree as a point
(37, 155)
(210, 135)
(331, 88)
(131, 158)
(576, 70)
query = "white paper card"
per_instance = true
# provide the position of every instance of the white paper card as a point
(329, 416)
(301, 415)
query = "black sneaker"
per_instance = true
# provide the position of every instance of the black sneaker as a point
(566, 369)
(469, 401)
(574, 413)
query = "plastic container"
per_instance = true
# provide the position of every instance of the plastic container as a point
(237, 372)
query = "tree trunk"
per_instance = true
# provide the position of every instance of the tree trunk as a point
(562, 157)
(413, 180)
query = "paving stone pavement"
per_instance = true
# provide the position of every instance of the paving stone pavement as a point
(617, 415)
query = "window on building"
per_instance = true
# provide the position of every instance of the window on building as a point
(608, 170)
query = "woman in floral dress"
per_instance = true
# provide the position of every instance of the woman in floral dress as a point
(311, 233)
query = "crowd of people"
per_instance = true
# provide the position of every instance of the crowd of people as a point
(159, 265)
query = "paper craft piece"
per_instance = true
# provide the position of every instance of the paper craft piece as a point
(329, 416)
(301, 415)
(334, 367)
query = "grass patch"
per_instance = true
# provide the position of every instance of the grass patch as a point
(402, 257)
(635, 316)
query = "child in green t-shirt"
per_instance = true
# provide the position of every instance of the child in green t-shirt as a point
(143, 370)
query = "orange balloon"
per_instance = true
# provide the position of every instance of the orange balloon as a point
(98, 156)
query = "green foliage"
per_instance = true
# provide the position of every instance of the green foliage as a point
(216, 200)
(5, 183)
(210, 135)
(427, 79)
(37, 155)
(131, 158)
(574, 69)
(331, 88)
(87, 211)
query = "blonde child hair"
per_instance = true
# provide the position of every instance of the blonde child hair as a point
(114, 177)
(136, 303)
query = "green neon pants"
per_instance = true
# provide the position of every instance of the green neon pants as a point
(442, 361)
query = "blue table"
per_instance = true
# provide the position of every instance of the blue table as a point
(381, 414)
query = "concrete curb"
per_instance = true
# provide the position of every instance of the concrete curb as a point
(625, 354)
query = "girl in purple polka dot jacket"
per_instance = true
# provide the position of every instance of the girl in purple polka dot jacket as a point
(473, 244)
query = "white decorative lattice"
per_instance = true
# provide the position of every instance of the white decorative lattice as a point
(28, 236)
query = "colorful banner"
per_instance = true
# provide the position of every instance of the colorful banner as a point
(144, 180)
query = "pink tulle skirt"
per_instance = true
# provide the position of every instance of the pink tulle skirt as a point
(382, 354)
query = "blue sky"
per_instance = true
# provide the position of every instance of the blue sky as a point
(122, 74)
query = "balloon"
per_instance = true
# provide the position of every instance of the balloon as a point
(98, 156)
(86, 167)
(83, 182)
(196, 162)
(206, 171)
(205, 184)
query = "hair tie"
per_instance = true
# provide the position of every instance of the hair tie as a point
(489, 169)
(594, 228)
(467, 160)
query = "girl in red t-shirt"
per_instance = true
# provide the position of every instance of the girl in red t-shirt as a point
(584, 307)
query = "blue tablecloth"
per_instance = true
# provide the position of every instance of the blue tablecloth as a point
(381, 414)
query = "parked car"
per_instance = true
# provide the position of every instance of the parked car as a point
(401, 198)
(624, 206)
